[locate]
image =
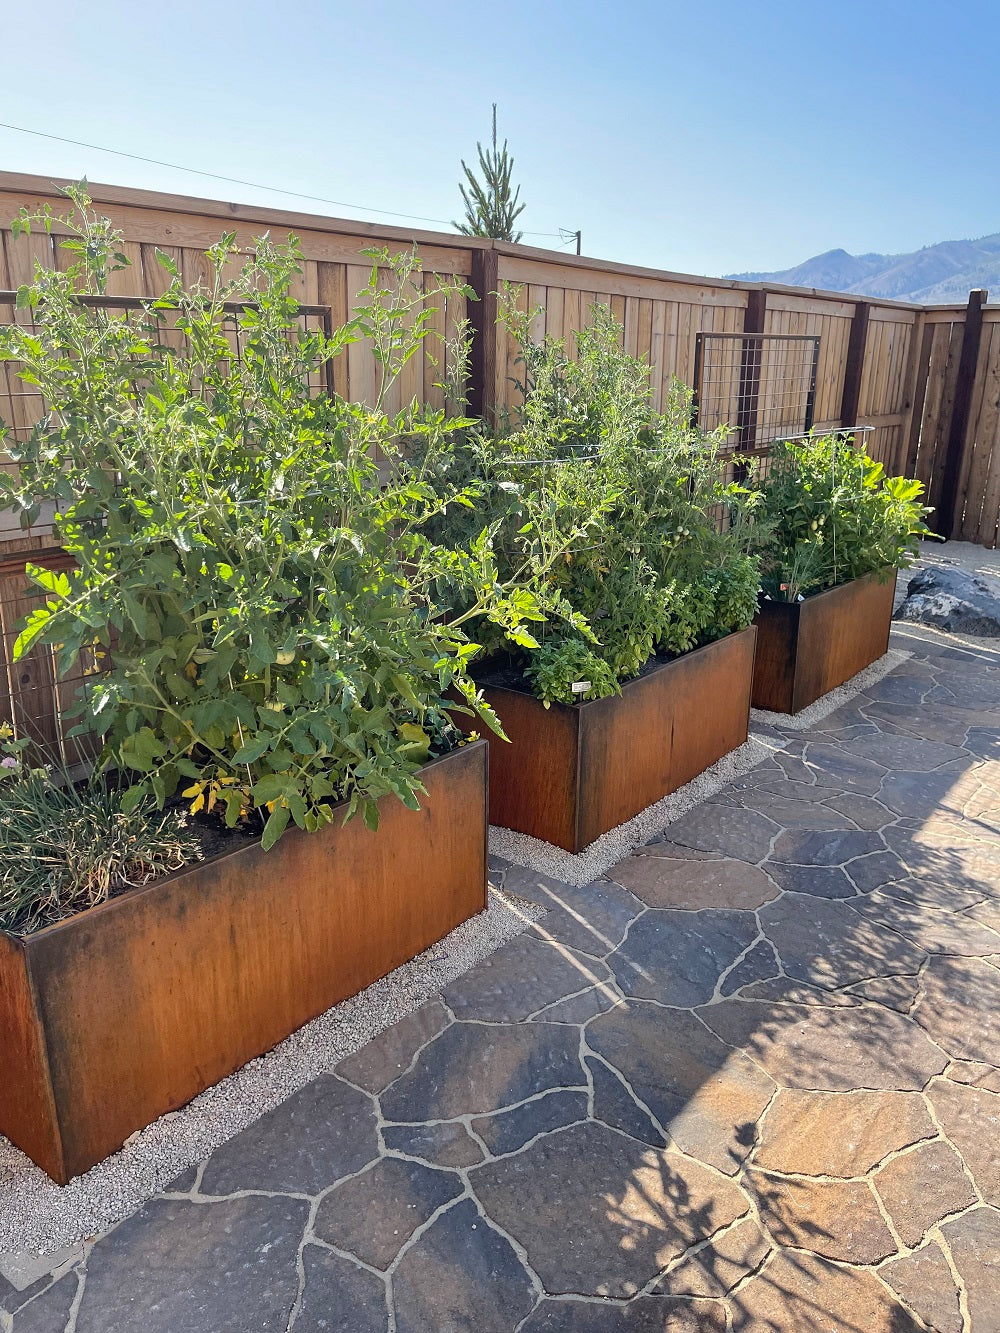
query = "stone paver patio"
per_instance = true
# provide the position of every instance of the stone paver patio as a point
(750, 1081)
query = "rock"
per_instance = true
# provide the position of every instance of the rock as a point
(952, 600)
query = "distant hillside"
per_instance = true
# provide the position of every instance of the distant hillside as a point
(944, 272)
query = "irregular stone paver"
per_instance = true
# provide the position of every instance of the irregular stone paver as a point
(726, 830)
(919, 1188)
(823, 881)
(759, 964)
(615, 1105)
(461, 1274)
(646, 1314)
(50, 1309)
(924, 1280)
(894, 992)
(477, 1069)
(225, 1267)
(322, 1132)
(959, 1005)
(678, 957)
(970, 1117)
(373, 1215)
(445, 1144)
(786, 990)
(830, 944)
(692, 885)
(976, 1073)
(507, 1131)
(593, 918)
(933, 932)
(974, 1242)
(782, 1013)
(714, 1269)
(838, 1219)
(845, 1134)
(630, 1208)
(836, 1050)
(705, 1095)
(807, 848)
(339, 1297)
(802, 1293)
(382, 1061)
(521, 977)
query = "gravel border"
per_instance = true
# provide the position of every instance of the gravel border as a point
(38, 1217)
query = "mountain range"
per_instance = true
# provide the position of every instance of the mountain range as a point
(944, 272)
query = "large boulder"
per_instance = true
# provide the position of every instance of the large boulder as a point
(953, 599)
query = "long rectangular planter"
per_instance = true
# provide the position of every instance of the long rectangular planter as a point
(117, 1015)
(805, 649)
(571, 773)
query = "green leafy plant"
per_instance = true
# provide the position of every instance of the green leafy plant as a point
(829, 514)
(255, 560)
(65, 846)
(657, 558)
(492, 204)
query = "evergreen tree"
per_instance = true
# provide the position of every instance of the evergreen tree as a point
(491, 207)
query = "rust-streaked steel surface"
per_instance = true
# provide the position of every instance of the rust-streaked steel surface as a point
(805, 649)
(571, 773)
(126, 1011)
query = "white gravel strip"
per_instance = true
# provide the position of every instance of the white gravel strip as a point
(611, 847)
(829, 703)
(38, 1216)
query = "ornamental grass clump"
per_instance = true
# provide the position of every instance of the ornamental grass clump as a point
(661, 560)
(828, 513)
(255, 568)
(66, 846)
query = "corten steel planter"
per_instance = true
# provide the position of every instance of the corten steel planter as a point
(805, 649)
(572, 773)
(126, 1011)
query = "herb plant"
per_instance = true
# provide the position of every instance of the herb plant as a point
(254, 555)
(829, 514)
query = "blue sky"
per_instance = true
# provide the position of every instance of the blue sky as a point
(705, 138)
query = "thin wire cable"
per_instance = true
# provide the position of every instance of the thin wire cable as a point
(236, 180)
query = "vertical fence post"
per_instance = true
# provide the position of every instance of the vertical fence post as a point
(484, 281)
(750, 363)
(850, 401)
(945, 521)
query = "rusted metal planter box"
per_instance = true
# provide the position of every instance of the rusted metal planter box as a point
(126, 1011)
(572, 773)
(805, 649)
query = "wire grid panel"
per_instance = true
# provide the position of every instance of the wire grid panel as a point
(35, 701)
(22, 405)
(761, 385)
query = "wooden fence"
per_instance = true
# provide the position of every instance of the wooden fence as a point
(926, 378)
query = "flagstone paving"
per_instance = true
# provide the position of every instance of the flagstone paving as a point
(749, 1081)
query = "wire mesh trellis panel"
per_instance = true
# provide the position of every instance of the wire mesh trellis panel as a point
(761, 385)
(34, 700)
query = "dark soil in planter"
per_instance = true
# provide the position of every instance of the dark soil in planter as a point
(506, 672)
